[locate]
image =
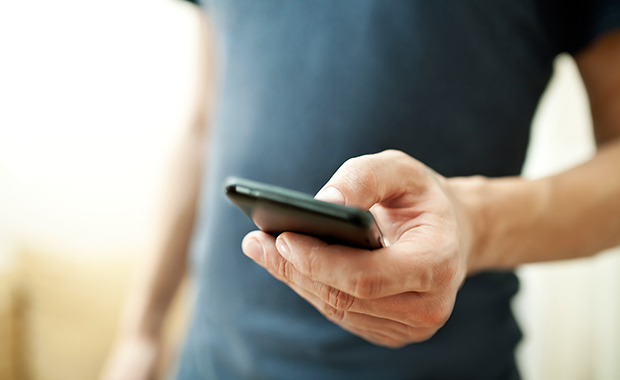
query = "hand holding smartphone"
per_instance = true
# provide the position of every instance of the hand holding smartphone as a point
(275, 210)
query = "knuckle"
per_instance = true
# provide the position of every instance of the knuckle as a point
(309, 264)
(399, 156)
(283, 270)
(433, 316)
(365, 287)
(333, 314)
(441, 270)
(426, 280)
(450, 270)
(394, 154)
(361, 173)
(445, 270)
(339, 299)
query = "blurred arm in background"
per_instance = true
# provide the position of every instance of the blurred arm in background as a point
(138, 349)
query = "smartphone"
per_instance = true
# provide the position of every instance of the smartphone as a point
(275, 210)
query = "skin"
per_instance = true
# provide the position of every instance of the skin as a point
(444, 229)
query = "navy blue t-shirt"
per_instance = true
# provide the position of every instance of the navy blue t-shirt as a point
(305, 85)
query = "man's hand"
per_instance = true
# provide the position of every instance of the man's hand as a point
(391, 296)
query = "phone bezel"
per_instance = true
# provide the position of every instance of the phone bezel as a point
(268, 205)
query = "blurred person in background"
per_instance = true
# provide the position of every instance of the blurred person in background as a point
(445, 91)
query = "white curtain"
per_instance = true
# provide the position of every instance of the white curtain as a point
(569, 311)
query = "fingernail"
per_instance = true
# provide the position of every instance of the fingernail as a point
(331, 195)
(283, 248)
(253, 249)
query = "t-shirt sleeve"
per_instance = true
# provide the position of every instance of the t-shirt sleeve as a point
(574, 24)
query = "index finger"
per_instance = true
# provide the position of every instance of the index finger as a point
(363, 274)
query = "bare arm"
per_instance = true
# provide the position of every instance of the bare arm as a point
(137, 350)
(442, 229)
(573, 214)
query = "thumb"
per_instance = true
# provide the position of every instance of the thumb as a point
(364, 181)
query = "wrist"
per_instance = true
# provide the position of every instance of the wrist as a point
(505, 218)
(469, 195)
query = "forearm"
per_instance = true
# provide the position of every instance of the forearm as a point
(156, 284)
(160, 275)
(161, 272)
(573, 214)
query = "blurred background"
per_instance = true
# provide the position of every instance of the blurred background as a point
(93, 98)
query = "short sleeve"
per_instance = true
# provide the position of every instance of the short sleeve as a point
(574, 24)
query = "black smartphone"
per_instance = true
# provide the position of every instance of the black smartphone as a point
(275, 210)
